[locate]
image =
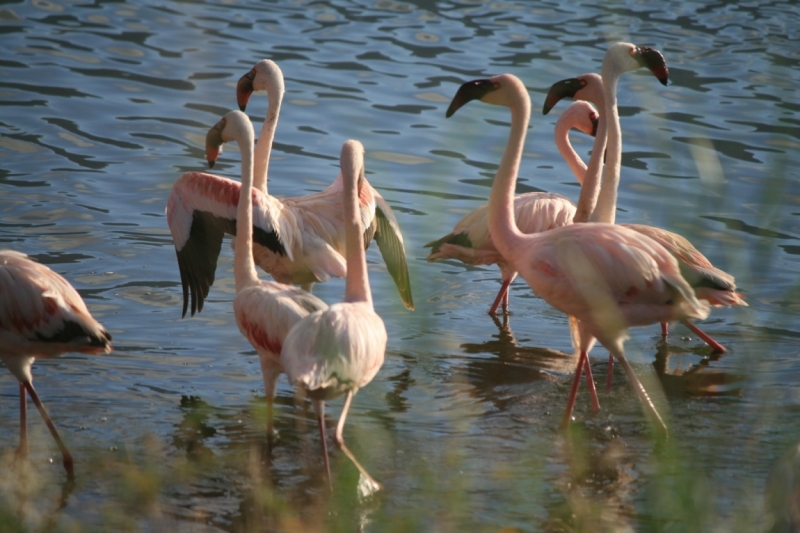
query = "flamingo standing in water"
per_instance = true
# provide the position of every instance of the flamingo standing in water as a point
(470, 241)
(606, 277)
(338, 350)
(297, 240)
(41, 315)
(710, 283)
(265, 310)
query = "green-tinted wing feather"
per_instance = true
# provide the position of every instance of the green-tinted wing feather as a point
(390, 243)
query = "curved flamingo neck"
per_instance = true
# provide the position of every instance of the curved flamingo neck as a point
(590, 188)
(357, 281)
(266, 137)
(566, 150)
(244, 268)
(606, 208)
(502, 223)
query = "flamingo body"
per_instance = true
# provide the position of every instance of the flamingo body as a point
(338, 350)
(471, 242)
(297, 240)
(607, 278)
(709, 282)
(41, 315)
(265, 311)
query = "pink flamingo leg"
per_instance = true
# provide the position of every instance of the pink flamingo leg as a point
(610, 373)
(22, 450)
(319, 409)
(67, 457)
(592, 389)
(715, 346)
(502, 296)
(573, 393)
(664, 329)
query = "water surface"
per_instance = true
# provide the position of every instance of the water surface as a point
(106, 104)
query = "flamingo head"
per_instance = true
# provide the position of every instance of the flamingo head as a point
(471, 90)
(587, 87)
(214, 142)
(244, 88)
(498, 90)
(627, 56)
(653, 60)
(234, 126)
(266, 75)
(352, 160)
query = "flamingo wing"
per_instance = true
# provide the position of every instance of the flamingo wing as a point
(390, 243)
(201, 209)
(709, 282)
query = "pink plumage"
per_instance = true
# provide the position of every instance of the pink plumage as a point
(41, 315)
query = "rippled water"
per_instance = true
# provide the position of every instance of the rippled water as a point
(104, 105)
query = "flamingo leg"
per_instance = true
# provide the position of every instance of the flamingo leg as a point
(664, 329)
(640, 391)
(573, 393)
(270, 371)
(610, 373)
(319, 409)
(502, 297)
(22, 450)
(715, 346)
(592, 389)
(339, 438)
(67, 457)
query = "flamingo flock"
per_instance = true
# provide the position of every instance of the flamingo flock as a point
(605, 277)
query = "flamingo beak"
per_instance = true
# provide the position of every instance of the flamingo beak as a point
(244, 88)
(561, 89)
(472, 90)
(214, 142)
(654, 61)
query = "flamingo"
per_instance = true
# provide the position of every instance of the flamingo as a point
(265, 310)
(710, 283)
(297, 240)
(470, 241)
(338, 350)
(605, 277)
(41, 315)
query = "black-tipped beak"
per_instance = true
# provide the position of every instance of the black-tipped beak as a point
(214, 142)
(561, 89)
(654, 61)
(244, 88)
(472, 90)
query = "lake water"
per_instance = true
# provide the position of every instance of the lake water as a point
(104, 105)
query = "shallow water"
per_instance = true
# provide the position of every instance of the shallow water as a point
(105, 105)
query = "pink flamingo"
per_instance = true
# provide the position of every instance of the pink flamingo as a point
(41, 315)
(265, 310)
(297, 240)
(338, 350)
(470, 241)
(710, 283)
(607, 278)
